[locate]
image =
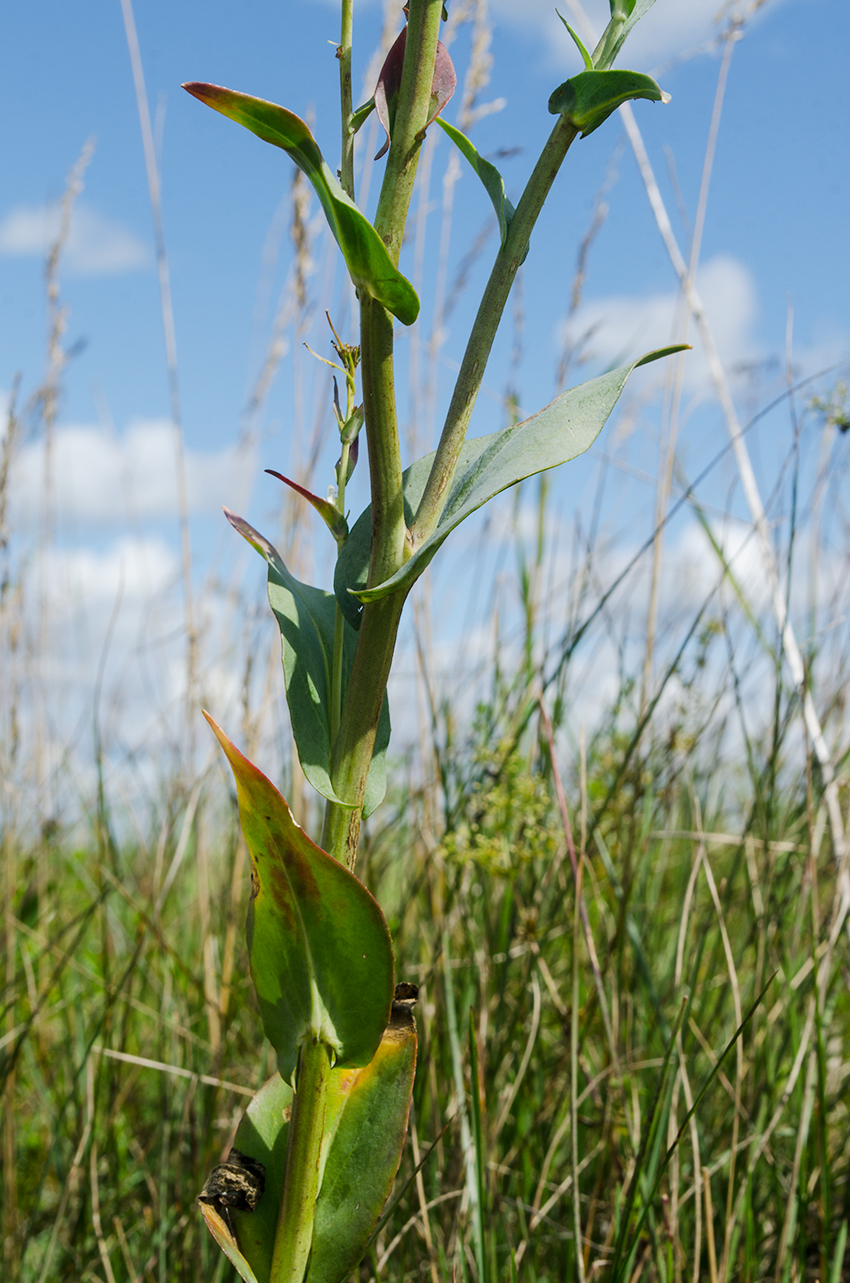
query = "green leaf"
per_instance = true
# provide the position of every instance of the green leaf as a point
(624, 15)
(366, 1122)
(320, 950)
(360, 115)
(487, 465)
(263, 1134)
(364, 1153)
(306, 617)
(585, 56)
(366, 256)
(494, 184)
(589, 98)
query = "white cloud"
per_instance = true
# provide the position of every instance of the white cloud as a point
(97, 479)
(621, 327)
(96, 245)
(136, 569)
(669, 29)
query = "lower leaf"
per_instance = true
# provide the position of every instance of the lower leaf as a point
(366, 1123)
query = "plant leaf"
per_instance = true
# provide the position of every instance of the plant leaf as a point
(585, 56)
(389, 83)
(494, 184)
(220, 1231)
(306, 617)
(263, 1134)
(366, 1122)
(633, 11)
(364, 1153)
(366, 256)
(332, 517)
(320, 951)
(589, 98)
(487, 465)
(360, 115)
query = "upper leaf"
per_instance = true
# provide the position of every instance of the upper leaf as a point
(306, 617)
(589, 98)
(320, 950)
(487, 465)
(331, 515)
(624, 15)
(366, 256)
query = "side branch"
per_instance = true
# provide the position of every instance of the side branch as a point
(484, 329)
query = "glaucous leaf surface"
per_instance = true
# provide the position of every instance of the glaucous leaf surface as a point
(562, 430)
(365, 254)
(306, 617)
(320, 951)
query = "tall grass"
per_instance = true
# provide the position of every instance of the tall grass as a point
(626, 915)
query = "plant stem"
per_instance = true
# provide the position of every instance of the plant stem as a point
(411, 115)
(484, 329)
(294, 1234)
(346, 167)
(356, 740)
(381, 427)
(339, 622)
(390, 545)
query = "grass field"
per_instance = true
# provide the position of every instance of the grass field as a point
(131, 1039)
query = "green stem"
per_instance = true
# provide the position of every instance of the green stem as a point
(294, 1234)
(390, 545)
(417, 77)
(484, 329)
(346, 168)
(381, 428)
(339, 622)
(355, 743)
(606, 50)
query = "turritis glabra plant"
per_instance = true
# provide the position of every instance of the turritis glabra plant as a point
(319, 1146)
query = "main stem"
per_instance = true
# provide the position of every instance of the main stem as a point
(390, 545)
(294, 1234)
(376, 638)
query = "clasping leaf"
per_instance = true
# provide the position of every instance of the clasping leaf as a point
(369, 264)
(320, 950)
(589, 98)
(487, 465)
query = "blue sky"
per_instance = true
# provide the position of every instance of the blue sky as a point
(775, 238)
(778, 201)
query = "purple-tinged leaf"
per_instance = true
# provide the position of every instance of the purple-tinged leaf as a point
(332, 517)
(389, 84)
